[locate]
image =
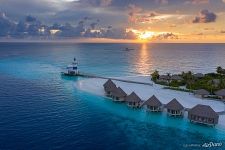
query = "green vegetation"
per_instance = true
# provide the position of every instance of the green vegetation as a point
(179, 89)
(220, 70)
(155, 75)
(210, 81)
(175, 83)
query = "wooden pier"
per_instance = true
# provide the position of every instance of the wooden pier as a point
(82, 74)
(87, 75)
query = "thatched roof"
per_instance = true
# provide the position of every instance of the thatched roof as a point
(153, 101)
(174, 105)
(201, 92)
(118, 92)
(199, 75)
(176, 77)
(203, 111)
(133, 98)
(164, 77)
(220, 92)
(109, 85)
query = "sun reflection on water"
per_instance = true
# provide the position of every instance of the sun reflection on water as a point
(143, 60)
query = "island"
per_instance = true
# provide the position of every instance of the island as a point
(210, 85)
(155, 98)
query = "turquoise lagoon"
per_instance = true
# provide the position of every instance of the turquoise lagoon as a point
(40, 109)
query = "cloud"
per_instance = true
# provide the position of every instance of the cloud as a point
(95, 3)
(116, 33)
(6, 25)
(222, 31)
(105, 2)
(197, 2)
(93, 25)
(200, 33)
(30, 26)
(172, 25)
(30, 6)
(133, 10)
(163, 2)
(205, 16)
(165, 36)
(130, 35)
(30, 18)
(208, 29)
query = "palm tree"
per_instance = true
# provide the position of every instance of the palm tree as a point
(190, 82)
(155, 75)
(183, 74)
(219, 69)
(211, 85)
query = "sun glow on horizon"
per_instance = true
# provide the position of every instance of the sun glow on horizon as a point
(142, 35)
(146, 35)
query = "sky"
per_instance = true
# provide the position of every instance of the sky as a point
(114, 20)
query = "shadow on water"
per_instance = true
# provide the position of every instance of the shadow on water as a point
(69, 78)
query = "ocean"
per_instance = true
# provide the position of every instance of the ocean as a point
(40, 109)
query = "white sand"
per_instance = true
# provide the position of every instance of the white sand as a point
(95, 86)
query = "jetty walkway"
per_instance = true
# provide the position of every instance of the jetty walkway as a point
(87, 75)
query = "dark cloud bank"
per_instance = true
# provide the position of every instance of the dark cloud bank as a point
(32, 27)
(205, 16)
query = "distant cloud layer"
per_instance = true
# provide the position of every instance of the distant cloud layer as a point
(205, 16)
(102, 3)
(108, 18)
(31, 27)
(198, 1)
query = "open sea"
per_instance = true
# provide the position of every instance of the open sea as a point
(42, 110)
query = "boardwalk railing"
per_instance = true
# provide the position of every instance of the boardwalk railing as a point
(82, 74)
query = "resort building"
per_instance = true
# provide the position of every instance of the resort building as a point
(221, 94)
(201, 93)
(214, 82)
(164, 78)
(203, 114)
(133, 100)
(199, 75)
(176, 78)
(119, 95)
(153, 104)
(109, 87)
(174, 108)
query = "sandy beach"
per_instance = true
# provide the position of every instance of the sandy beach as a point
(188, 100)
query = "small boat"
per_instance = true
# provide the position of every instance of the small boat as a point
(128, 49)
(71, 69)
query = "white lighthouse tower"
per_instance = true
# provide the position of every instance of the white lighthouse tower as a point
(72, 68)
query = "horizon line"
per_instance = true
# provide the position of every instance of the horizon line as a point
(103, 41)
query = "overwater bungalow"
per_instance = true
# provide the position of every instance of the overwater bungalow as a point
(221, 94)
(174, 108)
(153, 104)
(201, 93)
(133, 100)
(203, 114)
(119, 95)
(109, 87)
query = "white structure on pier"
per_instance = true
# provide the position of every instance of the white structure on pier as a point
(72, 68)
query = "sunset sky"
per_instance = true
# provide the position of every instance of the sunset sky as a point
(115, 20)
